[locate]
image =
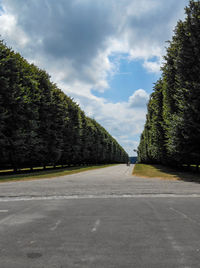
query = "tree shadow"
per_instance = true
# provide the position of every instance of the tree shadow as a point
(181, 173)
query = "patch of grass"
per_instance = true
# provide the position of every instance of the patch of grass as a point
(163, 172)
(47, 174)
(3, 171)
(152, 171)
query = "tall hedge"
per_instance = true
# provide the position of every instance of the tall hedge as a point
(40, 125)
(172, 130)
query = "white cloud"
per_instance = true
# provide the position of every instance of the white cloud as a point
(80, 43)
(139, 99)
(122, 119)
(152, 67)
(11, 32)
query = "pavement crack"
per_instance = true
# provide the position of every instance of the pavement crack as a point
(55, 225)
(184, 215)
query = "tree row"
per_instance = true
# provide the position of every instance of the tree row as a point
(172, 130)
(40, 125)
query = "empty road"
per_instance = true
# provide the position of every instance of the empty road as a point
(100, 218)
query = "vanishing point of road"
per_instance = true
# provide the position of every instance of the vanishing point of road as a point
(100, 219)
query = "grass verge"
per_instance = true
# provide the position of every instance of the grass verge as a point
(47, 174)
(162, 172)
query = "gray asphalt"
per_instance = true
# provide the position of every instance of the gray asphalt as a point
(100, 218)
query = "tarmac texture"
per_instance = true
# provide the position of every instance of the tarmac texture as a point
(100, 218)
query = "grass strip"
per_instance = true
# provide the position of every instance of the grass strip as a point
(163, 172)
(47, 174)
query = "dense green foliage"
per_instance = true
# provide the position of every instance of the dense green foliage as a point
(40, 125)
(172, 131)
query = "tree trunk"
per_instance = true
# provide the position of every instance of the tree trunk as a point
(197, 168)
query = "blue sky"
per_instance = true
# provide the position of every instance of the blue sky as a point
(105, 54)
(131, 76)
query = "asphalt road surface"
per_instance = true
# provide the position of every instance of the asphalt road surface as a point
(101, 218)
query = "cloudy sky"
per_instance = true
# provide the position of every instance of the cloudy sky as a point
(106, 54)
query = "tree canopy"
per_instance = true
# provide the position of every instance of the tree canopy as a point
(40, 125)
(172, 131)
